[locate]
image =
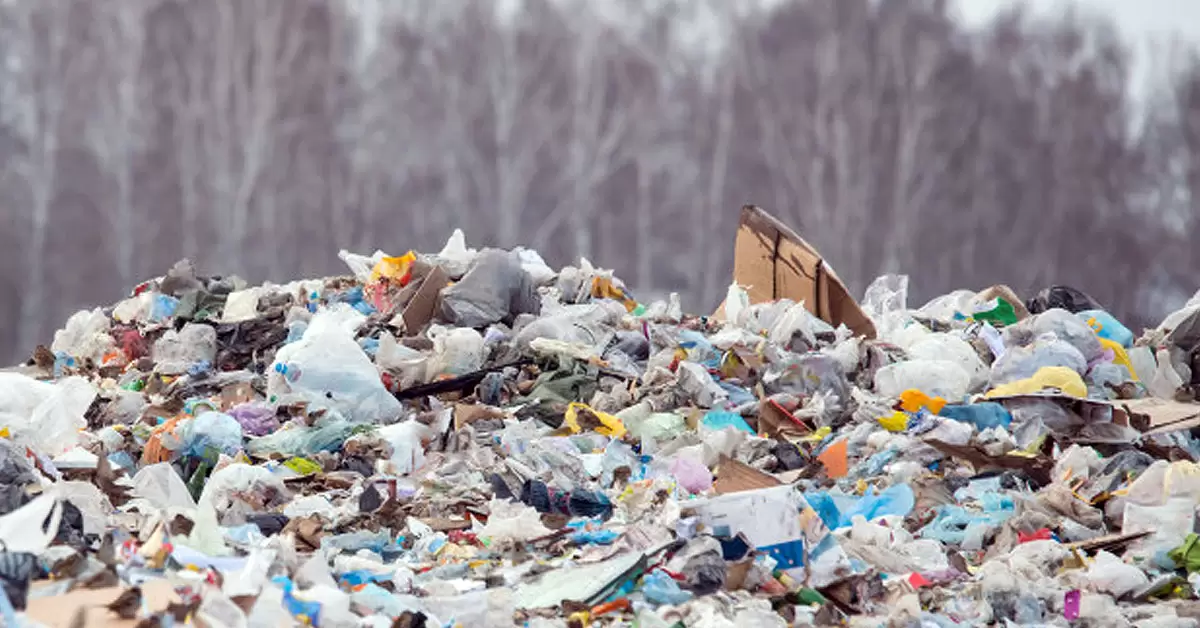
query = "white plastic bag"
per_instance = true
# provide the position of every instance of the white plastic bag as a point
(85, 335)
(1165, 380)
(26, 529)
(456, 351)
(407, 439)
(938, 346)
(1109, 575)
(393, 356)
(512, 521)
(942, 378)
(161, 486)
(176, 351)
(327, 368)
(226, 491)
(46, 417)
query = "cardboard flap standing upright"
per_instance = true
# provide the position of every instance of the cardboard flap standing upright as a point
(772, 262)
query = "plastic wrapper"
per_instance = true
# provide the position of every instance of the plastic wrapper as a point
(496, 288)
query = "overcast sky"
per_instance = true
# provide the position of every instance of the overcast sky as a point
(1149, 26)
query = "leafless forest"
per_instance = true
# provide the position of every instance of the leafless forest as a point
(257, 137)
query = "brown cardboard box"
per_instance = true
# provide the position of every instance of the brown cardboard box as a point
(772, 262)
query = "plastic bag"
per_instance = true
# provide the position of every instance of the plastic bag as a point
(512, 521)
(1061, 297)
(162, 487)
(85, 336)
(660, 588)
(983, 416)
(328, 369)
(539, 272)
(328, 434)
(1166, 379)
(456, 351)
(1023, 362)
(936, 346)
(941, 378)
(796, 319)
(228, 489)
(32, 527)
(838, 511)
(256, 419)
(886, 303)
(211, 432)
(1108, 574)
(495, 288)
(1065, 326)
(407, 440)
(175, 351)
(46, 417)
(455, 258)
(1107, 326)
(691, 475)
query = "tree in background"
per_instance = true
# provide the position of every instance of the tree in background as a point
(258, 138)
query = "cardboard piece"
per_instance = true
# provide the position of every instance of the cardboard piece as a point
(59, 610)
(237, 394)
(778, 423)
(772, 262)
(1162, 415)
(779, 522)
(734, 477)
(421, 305)
(1039, 468)
(466, 414)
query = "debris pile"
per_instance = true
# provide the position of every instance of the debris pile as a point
(472, 438)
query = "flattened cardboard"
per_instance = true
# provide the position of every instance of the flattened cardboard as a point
(1163, 415)
(772, 262)
(778, 423)
(734, 476)
(59, 610)
(424, 302)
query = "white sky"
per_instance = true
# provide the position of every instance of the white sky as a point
(1149, 26)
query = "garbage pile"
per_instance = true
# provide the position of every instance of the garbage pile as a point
(471, 438)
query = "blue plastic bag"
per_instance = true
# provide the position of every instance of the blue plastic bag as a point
(716, 420)
(660, 588)
(983, 416)
(1107, 326)
(838, 511)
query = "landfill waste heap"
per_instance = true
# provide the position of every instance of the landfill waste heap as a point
(472, 438)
